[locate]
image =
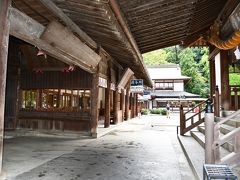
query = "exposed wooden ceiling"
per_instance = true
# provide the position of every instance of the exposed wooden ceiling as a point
(157, 24)
(154, 24)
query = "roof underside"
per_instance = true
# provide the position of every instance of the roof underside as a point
(157, 24)
(154, 24)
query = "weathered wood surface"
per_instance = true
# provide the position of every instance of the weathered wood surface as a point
(107, 97)
(127, 105)
(4, 40)
(70, 24)
(225, 90)
(123, 104)
(125, 78)
(29, 30)
(115, 106)
(94, 104)
(63, 39)
(57, 80)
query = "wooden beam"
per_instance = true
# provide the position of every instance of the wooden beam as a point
(4, 41)
(213, 53)
(125, 78)
(69, 43)
(69, 23)
(29, 30)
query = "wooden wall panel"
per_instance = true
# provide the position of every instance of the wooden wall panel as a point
(55, 79)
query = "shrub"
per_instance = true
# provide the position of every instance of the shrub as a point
(164, 112)
(155, 111)
(145, 111)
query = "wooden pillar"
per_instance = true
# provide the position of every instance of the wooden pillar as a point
(136, 105)
(133, 106)
(18, 100)
(94, 104)
(212, 77)
(127, 105)
(225, 90)
(107, 106)
(182, 120)
(108, 96)
(235, 99)
(4, 40)
(216, 102)
(115, 106)
(123, 103)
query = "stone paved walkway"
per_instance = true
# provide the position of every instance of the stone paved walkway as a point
(142, 149)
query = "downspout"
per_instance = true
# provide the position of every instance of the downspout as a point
(122, 22)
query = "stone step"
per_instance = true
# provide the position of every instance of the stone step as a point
(195, 155)
(227, 113)
(199, 137)
(233, 122)
(224, 129)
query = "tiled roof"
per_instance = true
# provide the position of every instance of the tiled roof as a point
(166, 72)
(173, 94)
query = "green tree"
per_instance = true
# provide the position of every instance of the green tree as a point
(189, 68)
(155, 57)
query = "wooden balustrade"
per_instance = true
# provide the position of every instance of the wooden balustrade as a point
(233, 136)
(189, 116)
(234, 90)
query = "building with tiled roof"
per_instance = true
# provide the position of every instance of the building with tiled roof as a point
(168, 86)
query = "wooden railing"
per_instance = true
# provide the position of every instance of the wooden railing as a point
(191, 119)
(233, 158)
(234, 91)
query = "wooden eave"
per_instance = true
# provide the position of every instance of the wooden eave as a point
(97, 19)
(157, 24)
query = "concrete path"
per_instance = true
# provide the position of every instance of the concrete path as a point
(143, 148)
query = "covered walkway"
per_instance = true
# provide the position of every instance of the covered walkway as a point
(136, 149)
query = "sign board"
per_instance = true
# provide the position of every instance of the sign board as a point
(136, 89)
(102, 82)
(146, 95)
(137, 86)
(137, 83)
(113, 87)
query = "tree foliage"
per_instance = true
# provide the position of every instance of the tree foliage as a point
(193, 63)
(155, 57)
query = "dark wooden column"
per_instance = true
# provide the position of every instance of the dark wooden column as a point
(123, 104)
(212, 76)
(4, 39)
(94, 104)
(107, 105)
(115, 106)
(133, 106)
(136, 101)
(127, 105)
(108, 96)
(225, 90)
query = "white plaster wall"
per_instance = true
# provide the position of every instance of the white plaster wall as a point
(178, 86)
(218, 72)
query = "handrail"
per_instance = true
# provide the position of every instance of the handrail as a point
(195, 107)
(227, 118)
(233, 137)
(195, 115)
(233, 157)
(193, 124)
